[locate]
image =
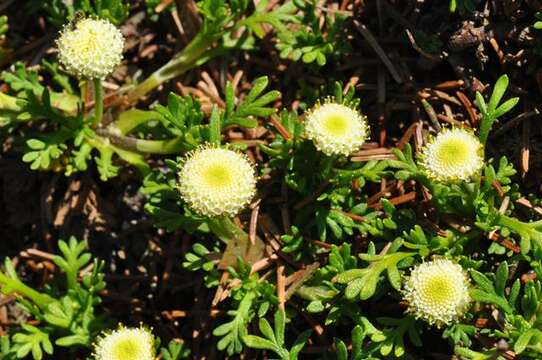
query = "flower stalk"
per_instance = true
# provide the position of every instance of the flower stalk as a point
(197, 52)
(98, 102)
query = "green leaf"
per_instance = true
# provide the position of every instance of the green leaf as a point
(214, 127)
(506, 107)
(482, 281)
(299, 344)
(258, 86)
(174, 351)
(492, 111)
(481, 103)
(257, 342)
(341, 351)
(34, 340)
(369, 286)
(501, 278)
(354, 288)
(489, 298)
(524, 339)
(280, 324)
(234, 331)
(253, 105)
(394, 277)
(74, 258)
(266, 330)
(498, 92)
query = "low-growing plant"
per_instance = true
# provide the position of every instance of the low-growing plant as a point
(331, 245)
(67, 313)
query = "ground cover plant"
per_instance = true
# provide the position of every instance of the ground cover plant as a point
(209, 179)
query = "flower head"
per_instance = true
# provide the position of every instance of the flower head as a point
(125, 344)
(437, 291)
(216, 182)
(336, 129)
(91, 48)
(453, 155)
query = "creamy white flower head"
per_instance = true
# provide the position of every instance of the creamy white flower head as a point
(336, 129)
(453, 155)
(91, 48)
(125, 344)
(216, 181)
(438, 292)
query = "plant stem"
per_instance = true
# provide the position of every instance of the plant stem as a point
(131, 119)
(98, 102)
(192, 55)
(130, 157)
(71, 279)
(164, 147)
(15, 285)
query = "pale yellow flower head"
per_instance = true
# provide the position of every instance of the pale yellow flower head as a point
(217, 182)
(437, 292)
(125, 344)
(453, 155)
(336, 129)
(91, 48)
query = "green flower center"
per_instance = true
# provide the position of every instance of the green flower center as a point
(452, 152)
(217, 175)
(126, 349)
(336, 125)
(438, 290)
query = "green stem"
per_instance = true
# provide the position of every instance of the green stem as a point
(131, 119)
(15, 285)
(134, 159)
(71, 279)
(192, 55)
(164, 147)
(98, 102)
(171, 146)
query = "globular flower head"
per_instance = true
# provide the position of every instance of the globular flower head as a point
(453, 155)
(125, 344)
(217, 182)
(91, 48)
(336, 129)
(438, 292)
